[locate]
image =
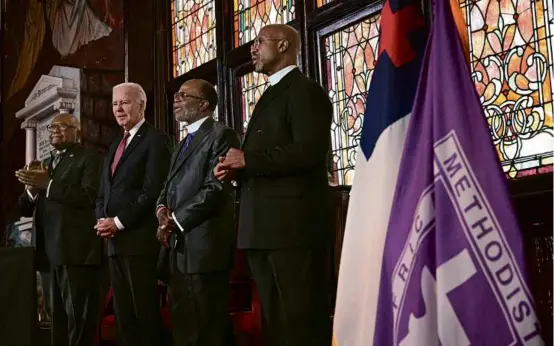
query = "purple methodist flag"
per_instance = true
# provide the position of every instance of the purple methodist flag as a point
(453, 268)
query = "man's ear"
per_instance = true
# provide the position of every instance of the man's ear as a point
(283, 45)
(205, 106)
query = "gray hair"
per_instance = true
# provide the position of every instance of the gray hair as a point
(136, 88)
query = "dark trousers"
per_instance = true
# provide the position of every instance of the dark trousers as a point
(46, 285)
(199, 307)
(292, 291)
(136, 300)
(75, 299)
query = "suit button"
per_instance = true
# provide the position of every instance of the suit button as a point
(260, 131)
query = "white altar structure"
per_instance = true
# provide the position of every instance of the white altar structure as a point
(58, 91)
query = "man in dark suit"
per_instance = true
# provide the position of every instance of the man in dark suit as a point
(132, 178)
(284, 205)
(61, 194)
(196, 221)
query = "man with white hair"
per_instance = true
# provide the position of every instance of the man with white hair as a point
(133, 175)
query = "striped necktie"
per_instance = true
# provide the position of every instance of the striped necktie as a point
(57, 158)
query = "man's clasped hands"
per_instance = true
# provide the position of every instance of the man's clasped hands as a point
(233, 160)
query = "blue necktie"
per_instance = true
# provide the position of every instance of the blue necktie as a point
(188, 139)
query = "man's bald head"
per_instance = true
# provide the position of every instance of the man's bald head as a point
(276, 47)
(286, 32)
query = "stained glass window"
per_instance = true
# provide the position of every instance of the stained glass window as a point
(251, 15)
(181, 126)
(511, 51)
(320, 3)
(351, 55)
(252, 86)
(193, 33)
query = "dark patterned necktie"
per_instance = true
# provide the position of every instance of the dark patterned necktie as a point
(119, 151)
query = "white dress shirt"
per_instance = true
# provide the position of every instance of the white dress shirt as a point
(33, 198)
(190, 129)
(133, 131)
(277, 76)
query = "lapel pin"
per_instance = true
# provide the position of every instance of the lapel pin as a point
(70, 155)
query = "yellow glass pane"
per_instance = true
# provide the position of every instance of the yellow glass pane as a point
(193, 34)
(252, 85)
(511, 59)
(251, 15)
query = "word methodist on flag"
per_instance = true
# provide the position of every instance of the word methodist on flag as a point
(451, 267)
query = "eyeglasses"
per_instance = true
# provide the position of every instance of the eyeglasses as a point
(182, 95)
(260, 40)
(59, 127)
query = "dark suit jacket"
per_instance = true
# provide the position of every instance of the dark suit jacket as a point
(202, 205)
(132, 191)
(285, 199)
(64, 221)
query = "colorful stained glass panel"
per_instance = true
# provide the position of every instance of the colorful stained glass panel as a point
(193, 34)
(511, 53)
(351, 55)
(320, 3)
(251, 15)
(252, 85)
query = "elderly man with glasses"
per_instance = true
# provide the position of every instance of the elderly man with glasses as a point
(61, 194)
(196, 221)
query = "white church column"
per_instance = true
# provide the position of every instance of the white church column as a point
(30, 127)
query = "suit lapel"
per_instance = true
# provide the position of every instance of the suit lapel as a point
(64, 163)
(178, 160)
(175, 156)
(110, 157)
(268, 97)
(49, 166)
(137, 138)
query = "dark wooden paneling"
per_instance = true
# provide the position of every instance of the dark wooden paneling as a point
(140, 35)
(98, 126)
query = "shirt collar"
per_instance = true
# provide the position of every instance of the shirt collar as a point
(135, 128)
(277, 76)
(58, 152)
(195, 125)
